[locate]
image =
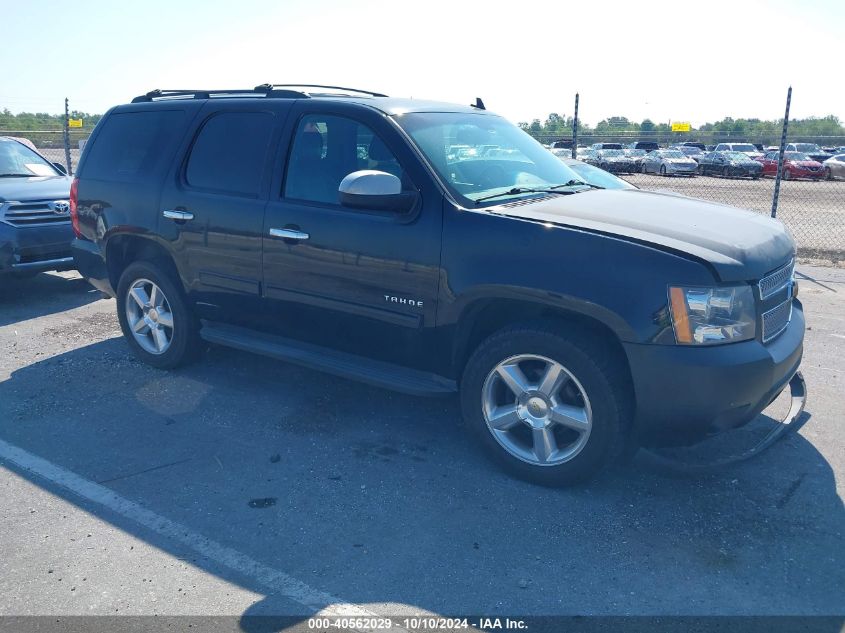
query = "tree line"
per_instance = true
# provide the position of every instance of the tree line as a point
(556, 125)
(41, 121)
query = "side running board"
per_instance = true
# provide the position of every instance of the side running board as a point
(373, 372)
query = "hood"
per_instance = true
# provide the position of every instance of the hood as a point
(740, 245)
(805, 163)
(35, 188)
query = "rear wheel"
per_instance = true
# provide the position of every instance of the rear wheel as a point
(155, 318)
(663, 170)
(547, 402)
(726, 172)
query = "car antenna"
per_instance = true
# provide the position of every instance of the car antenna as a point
(478, 104)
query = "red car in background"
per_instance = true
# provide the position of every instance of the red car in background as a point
(795, 165)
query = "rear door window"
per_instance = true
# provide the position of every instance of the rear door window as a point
(132, 145)
(230, 153)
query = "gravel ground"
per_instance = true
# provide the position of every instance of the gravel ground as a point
(216, 488)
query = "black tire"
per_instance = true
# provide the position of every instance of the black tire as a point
(186, 343)
(785, 175)
(663, 170)
(591, 361)
(700, 170)
(828, 175)
(643, 168)
(726, 172)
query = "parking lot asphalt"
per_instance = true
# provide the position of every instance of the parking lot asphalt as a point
(242, 485)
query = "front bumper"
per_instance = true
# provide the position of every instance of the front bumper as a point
(35, 248)
(91, 265)
(683, 393)
(681, 170)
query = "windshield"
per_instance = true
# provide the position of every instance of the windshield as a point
(736, 156)
(596, 176)
(690, 151)
(807, 147)
(743, 147)
(516, 161)
(17, 159)
(672, 153)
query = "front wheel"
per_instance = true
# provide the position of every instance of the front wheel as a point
(663, 170)
(548, 402)
(827, 174)
(786, 175)
(643, 169)
(155, 318)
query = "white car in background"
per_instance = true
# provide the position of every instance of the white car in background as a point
(746, 148)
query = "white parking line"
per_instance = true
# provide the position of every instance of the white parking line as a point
(276, 581)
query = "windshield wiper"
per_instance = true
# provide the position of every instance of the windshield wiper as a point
(518, 190)
(16, 175)
(576, 183)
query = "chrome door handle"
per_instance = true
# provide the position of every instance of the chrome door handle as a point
(172, 214)
(289, 234)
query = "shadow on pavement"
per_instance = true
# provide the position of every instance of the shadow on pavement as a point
(28, 298)
(376, 497)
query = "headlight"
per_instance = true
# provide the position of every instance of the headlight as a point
(708, 316)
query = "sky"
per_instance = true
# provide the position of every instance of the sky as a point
(665, 60)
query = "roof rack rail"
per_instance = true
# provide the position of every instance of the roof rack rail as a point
(208, 94)
(365, 92)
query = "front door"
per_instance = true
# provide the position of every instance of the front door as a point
(361, 281)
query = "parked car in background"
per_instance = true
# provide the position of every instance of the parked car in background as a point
(729, 165)
(700, 146)
(595, 176)
(795, 165)
(598, 146)
(588, 155)
(690, 151)
(834, 167)
(813, 151)
(635, 155)
(746, 148)
(35, 227)
(615, 161)
(648, 146)
(565, 143)
(668, 162)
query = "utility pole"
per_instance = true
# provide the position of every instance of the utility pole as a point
(780, 153)
(575, 129)
(67, 138)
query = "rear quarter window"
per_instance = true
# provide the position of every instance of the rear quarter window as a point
(131, 145)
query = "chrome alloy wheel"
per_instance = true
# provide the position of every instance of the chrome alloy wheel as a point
(149, 316)
(537, 410)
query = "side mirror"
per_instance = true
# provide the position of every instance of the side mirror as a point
(376, 190)
(61, 168)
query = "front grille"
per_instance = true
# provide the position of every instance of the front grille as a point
(777, 280)
(776, 320)
(35, 213)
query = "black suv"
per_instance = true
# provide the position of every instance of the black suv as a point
(35, 228)
(343, 231)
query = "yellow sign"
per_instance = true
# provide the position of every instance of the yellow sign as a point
(74, 122)
(683, 126)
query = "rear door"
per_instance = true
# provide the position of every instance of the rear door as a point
(360, 280)
(212, 207)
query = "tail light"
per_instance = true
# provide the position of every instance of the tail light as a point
(74, 214)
